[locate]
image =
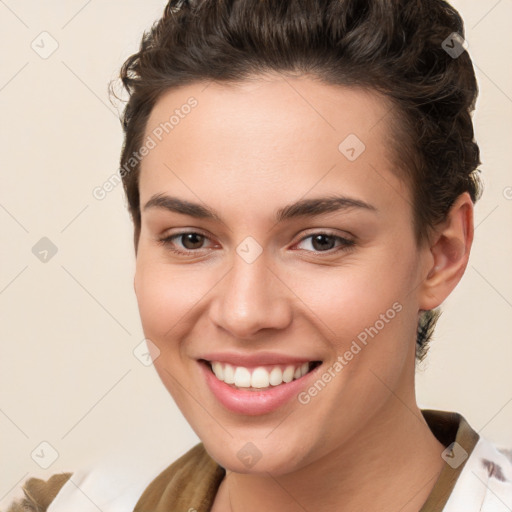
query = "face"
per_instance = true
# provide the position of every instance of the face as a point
(277, 243)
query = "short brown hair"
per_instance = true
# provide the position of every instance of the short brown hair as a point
(394, 47)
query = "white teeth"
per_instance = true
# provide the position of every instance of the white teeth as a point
(217, 369)
(276, 376)
(242, 377)
(229, 374)
(288, 374)
(260, 377)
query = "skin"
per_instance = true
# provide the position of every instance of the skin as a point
(245, 151)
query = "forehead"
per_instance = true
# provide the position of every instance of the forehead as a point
(269, 133)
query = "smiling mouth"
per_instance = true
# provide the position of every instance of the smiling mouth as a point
(259, 378)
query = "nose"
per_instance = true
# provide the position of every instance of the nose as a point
(251, 297)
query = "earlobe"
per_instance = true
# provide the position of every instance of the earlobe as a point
(449, 252)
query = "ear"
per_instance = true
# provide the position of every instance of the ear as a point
(448, 253)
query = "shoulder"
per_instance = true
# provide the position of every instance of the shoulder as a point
(486, 479)
(39, 493)
(113, 482)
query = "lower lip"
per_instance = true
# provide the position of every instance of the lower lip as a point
(253, 403)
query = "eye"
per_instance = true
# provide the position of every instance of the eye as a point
(325, 242)
(190, 242)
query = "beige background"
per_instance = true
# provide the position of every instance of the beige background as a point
(69, 326)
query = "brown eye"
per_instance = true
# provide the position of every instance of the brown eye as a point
(325, 242)
(191, 240)
(322, 242)
(187, 242)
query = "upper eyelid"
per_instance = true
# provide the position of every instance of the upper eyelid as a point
(327, 232)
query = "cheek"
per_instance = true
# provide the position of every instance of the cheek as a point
(169, 298)
(352, 297)
(365, 314)
(156, 299)
(164, 297)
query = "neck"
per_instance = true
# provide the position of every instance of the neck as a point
(392, 464)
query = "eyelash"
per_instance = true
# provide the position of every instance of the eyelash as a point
(346, 243)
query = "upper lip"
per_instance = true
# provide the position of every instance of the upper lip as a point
(255, 359)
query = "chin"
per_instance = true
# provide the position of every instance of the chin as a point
(247, 458)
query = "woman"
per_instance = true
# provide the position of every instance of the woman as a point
(301, 178)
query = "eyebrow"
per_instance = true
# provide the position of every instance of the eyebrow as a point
(302, 208)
